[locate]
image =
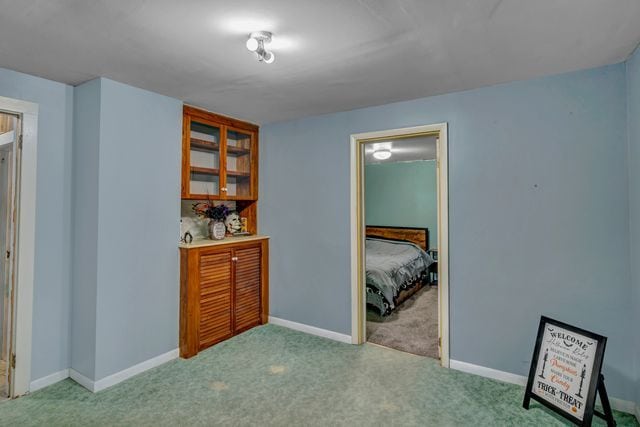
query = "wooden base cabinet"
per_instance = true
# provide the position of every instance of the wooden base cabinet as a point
(224, 291)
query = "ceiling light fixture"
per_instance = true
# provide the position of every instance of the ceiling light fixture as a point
(382, 153)
(256, 44)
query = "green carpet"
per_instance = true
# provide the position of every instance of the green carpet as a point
(275, 376)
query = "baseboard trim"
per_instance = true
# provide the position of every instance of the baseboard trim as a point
(507, 377)
(81, 379)
(336, 336)
(51, 379)
(482, 371)
(118, 377)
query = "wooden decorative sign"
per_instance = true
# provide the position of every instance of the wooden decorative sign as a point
(565, 372)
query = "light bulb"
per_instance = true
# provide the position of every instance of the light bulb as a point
(269, 57)
(382, 154)
(252, 44)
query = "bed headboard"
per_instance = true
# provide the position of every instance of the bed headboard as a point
(419, 236)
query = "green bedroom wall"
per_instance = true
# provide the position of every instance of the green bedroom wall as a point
(403, 194)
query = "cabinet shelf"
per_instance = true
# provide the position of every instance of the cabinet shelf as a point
(205, 171)
(238, 173)
(202, 145)
(210, 171)
(237, 151)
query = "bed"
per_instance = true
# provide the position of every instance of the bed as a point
(397, 265)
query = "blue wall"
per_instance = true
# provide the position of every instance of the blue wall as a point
(52, 288)
(128, 213)
(633, 122)
(86, 144)
(539, 220)
(403, 194)
(542, 204)
(138, 272)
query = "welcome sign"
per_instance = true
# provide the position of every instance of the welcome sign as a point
(565, 371)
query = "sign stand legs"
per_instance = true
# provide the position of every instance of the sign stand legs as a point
(606, 406)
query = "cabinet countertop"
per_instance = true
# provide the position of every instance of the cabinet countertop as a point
(226, 241)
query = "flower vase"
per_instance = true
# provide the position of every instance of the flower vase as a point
(217, 230)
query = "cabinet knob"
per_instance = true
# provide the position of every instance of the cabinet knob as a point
(224, 189)
(235, 258)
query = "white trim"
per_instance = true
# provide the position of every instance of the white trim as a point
(335, 336)
(443, 231)
(507, 377)
(443, 242)
(353, 209)
(118, 377)
(43, 382)
(25, 242)
(81, 379)
(482, 371)
(18, 106)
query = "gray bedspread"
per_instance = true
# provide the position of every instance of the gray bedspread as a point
(392, 266)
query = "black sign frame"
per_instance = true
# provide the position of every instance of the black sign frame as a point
(596, 383)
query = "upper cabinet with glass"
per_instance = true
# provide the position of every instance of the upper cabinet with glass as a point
(219, 157)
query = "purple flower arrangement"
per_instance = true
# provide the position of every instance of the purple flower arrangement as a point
(209, 210)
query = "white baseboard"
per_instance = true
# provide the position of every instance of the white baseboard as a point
(118, 377)
(48, 380)
(336, 336)
(81, 379)
(507, 377)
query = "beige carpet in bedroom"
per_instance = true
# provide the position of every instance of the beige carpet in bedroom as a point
(412, 327)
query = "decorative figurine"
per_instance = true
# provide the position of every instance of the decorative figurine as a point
(233, 223)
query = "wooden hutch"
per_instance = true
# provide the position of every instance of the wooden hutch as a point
(224, 284)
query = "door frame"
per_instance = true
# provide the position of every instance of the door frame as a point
(358, 300)
(24, 243)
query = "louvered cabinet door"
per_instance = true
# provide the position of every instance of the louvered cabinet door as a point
(247, 288)
(216, 289)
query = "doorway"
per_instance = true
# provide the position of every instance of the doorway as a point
(9, 165)
(434, 244)
(17, 332)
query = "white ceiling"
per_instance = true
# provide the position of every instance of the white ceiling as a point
(403, 149)
(331, 55)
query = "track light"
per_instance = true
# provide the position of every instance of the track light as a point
(256, 44)
(269, 57)
(252, 44)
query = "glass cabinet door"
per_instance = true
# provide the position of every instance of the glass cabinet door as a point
(204, 160)
(239, 150)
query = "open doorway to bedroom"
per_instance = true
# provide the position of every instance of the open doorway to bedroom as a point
(399, 217)
(401, 226)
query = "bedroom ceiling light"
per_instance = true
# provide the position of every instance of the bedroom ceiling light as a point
(382, 153)
(256, 43)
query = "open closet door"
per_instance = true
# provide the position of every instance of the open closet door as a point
(8, 127)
